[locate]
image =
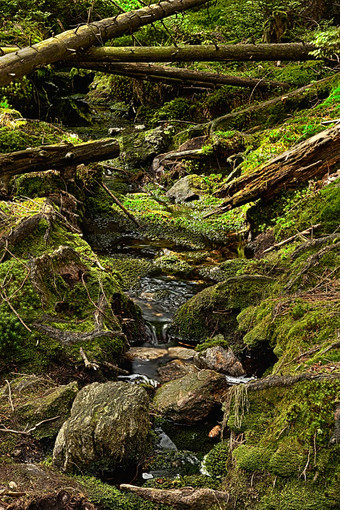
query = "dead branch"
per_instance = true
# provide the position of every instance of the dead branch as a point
(184, 498)
(70, 337)
(313, 260)
(309, 230)
(32, 429)
(10, 394)
(116, 201)
(87, 363)
(312, 243)
(275, 381)
(176, 75)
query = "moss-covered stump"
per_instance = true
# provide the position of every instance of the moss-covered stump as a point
(286, 433)
(59, 298)
(215, 309)
(109, 428)
(191, 398)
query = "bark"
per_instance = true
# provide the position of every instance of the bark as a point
(276, 108)
(48, 157)
(184, 498)
(196, 53)
(177, 75)
(24, 61)
(309, 159)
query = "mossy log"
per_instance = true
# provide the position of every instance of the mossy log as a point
(184, 498)
(175, 75)
(277, 381)
(268, 112)
(24, 61)
(47, 157)
(196, 53)
(309, 159)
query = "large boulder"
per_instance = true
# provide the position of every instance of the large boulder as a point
(219, 359)
(192, 398)
(109, 428)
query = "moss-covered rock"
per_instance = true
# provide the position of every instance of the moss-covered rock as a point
(215, 308)
(109, 428)
(191, 398)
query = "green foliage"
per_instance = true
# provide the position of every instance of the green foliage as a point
(327, 43)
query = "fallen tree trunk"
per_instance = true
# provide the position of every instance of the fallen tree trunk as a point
(196, 53)
(184, 498)
(270, 111)
(310, 158)
(175, 75)
(59, 156)
(24, 61)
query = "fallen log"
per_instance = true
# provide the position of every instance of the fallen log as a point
(184, 498)
(47, 157)
(165, 74)
(196, 53)
(309, 159)
(276, 109)
(24, 61)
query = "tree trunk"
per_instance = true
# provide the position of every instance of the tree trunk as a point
(24, 61)
(196, 53)
(270, 111)
(48, 157)
(184, 498)
(177, 75)
(311, 158)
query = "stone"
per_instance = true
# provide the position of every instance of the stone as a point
(181, 353)
(145, 353)
(187, 189)
(219, 359)
(109, 428)
(175, 369)
(191, 398)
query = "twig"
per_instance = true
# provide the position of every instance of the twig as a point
(128, 214)
(304, 472)
(10, 394)
(5, 298)
(87, 363)
(289, 239)
(28, 432)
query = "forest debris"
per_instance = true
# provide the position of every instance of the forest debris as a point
(57, 156)
(176, 75)
(309, 159)
(32, 429)
(23, 61)
(118, 202)
(185, 498)
(309, 230)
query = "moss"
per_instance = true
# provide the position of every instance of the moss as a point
(212, 342)
(215, 462)
(108, 497)
(196, 319)
(288, 460)
(251, 458)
